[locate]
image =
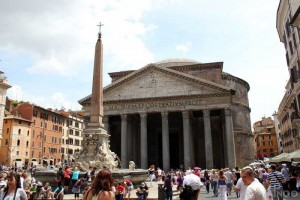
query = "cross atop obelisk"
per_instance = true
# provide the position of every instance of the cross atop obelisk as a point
(99, 34)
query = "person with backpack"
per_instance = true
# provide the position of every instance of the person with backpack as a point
(193, 181)
(168, 186)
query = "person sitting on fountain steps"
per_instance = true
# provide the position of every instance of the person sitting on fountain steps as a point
(142, 191)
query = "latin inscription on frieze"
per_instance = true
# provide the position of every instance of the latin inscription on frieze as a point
(154, 105)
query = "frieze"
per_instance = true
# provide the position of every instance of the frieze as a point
(141, 106)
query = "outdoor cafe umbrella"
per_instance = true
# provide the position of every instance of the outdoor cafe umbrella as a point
(279, 158)
(295, 156)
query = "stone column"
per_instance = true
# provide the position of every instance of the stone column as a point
(230, 146)
(186, 139)
(208, 140)
(144, 147)
(129, 140)
(124, 142)
(165, 141)
(106, 123)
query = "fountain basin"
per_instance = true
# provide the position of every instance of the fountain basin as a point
(136, 176)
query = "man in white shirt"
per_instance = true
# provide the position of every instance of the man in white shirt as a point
(255, 190)
(194, 181)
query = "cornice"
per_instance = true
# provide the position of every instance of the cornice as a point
(227, 76)
(120, 74)
(198, 66)
(241, 105)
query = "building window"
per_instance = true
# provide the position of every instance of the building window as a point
(28, 133)
(77, 143)
(71, 141)
(32, 144)
(269, 137)
(6, 141)
(32, 154)
(7, 130)
(19, 131)
(42, 124)
(271, 150)
(20, 122)
(27, 143)
(18, 142)
(5, 121)
(77, 133)
(63, 141)
(76, 124)
(33, 133)
(263, 137)
(71, 132)
(264, 150)
(62, 150)
(26, 153)
(35, 113)
(263, 143)
(17, 153)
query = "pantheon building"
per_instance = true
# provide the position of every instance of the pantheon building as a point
(178, 113)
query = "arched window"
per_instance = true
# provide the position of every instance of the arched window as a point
(7, 130)
(28, 133)
(19, 131)
(27, 143)
(6, 142)
(18, 143)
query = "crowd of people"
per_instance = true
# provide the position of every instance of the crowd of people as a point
(249, 183)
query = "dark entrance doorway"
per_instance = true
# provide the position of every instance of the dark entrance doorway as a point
(174, 150)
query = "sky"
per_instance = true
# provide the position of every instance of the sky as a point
(47, 47)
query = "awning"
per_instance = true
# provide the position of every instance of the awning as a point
(279, 158)
(295, 156)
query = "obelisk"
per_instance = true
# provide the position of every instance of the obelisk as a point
(95, 144)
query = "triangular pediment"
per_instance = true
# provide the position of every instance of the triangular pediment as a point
(153, 81)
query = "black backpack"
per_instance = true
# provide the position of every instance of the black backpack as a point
(187, 193)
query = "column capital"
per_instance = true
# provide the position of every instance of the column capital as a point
(228, 111)
(206, 113)
(164, 115)
(124, 117)
(143, 116)
(186, 114)
(106, 119)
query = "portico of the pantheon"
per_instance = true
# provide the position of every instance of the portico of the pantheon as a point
(178, 113)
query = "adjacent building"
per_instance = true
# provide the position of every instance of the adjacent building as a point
(15, 145)
(3, 88)
(72, 137)
(288, 113)
(265, 138)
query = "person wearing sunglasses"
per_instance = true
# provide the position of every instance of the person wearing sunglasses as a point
(13, 191)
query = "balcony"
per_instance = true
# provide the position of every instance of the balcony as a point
(295, 119)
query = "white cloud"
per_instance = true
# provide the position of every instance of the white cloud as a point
(183, 47)
(59, 36)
